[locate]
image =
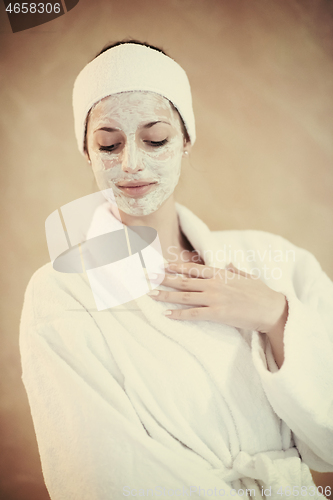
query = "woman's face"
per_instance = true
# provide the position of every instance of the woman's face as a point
(136, 137)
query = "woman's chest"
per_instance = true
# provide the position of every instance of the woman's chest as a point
(199, 382)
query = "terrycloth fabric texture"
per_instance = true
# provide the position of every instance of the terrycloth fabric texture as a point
(130, 67)
(128, 399)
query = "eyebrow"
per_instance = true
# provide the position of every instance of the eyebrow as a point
(147, 125)
(107, 129)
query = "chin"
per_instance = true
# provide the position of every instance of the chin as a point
(141, 207)
(138, 212)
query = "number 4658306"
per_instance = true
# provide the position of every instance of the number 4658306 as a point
(304, 491)
(33, 8)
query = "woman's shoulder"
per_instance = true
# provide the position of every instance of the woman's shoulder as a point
(262, 247)
(57, 315)
(251, 237)
(46, 277)
(48, 289)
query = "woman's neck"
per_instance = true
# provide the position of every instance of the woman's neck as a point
(165, 221)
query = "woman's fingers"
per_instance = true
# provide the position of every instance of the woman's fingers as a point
(188, 298)
(193, 314)
(230, 296)
(192, 269)
(182, 282)
(200, 271)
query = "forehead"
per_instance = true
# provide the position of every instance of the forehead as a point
(133, 108)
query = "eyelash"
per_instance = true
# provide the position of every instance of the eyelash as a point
(109, 148)
(157, 144)
(154, 144)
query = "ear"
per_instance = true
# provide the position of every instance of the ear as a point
(87, 156)
(187, 148)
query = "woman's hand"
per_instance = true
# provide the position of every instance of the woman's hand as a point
(228, 296)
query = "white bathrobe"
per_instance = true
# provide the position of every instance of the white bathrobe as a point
(128, 402)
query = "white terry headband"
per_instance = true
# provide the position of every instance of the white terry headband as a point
(129, 67)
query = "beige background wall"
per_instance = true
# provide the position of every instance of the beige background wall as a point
(262, 78)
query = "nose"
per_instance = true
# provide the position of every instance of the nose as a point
(130, 159)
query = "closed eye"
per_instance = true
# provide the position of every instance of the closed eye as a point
(109, 148)
(157, 144)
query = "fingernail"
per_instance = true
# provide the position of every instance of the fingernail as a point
(167, 313)
(153, 292)
(153, 276)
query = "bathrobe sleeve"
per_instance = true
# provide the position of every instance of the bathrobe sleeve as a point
(91, 441)
(301, 391)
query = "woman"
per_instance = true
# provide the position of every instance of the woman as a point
(230, 394)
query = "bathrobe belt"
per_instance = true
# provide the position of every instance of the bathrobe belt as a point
(269, 467)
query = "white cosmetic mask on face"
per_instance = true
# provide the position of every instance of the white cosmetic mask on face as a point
(135, 160)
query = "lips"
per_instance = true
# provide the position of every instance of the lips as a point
(137, 188)
(136, 184)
